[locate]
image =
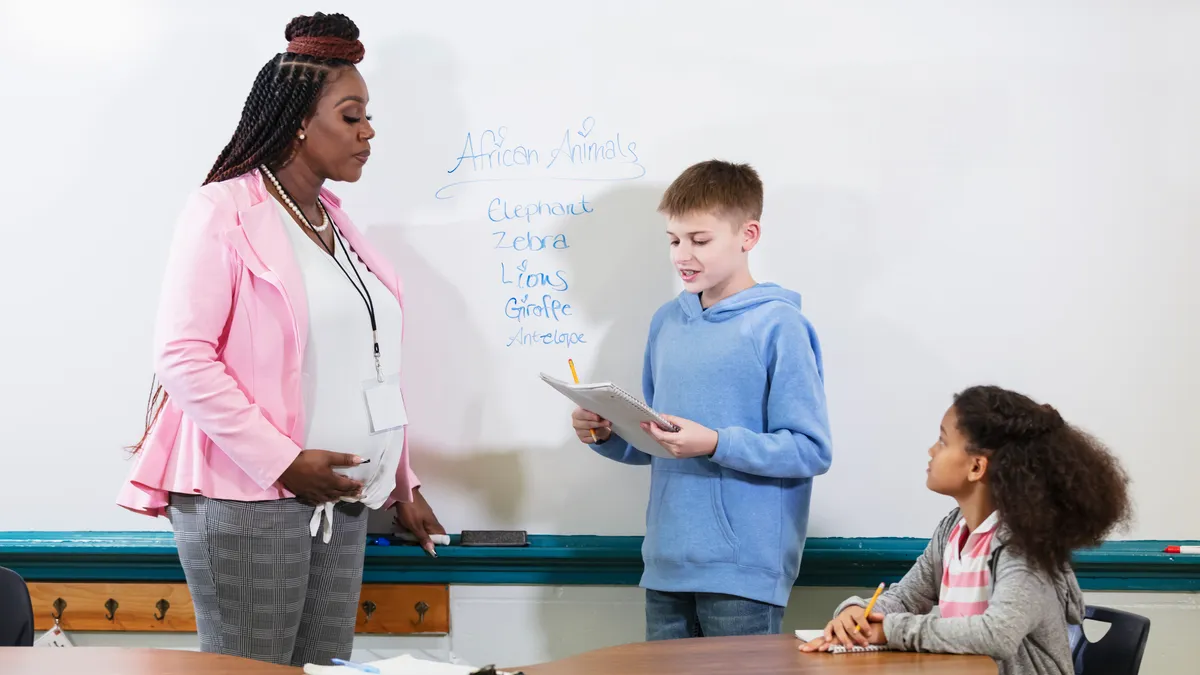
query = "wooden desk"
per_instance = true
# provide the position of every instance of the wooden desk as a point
(116, 661)
(766, 655)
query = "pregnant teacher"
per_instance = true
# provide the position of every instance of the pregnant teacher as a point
(279, 418)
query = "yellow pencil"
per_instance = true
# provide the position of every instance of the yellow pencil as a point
(870, 605)
(575, 376)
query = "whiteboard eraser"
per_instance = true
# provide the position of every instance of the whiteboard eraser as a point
(493, 538)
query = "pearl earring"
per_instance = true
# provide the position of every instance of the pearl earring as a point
(301, 136)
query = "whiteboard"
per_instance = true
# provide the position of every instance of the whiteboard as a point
(1001, 193)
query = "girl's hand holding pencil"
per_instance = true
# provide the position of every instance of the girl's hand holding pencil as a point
(854, 626)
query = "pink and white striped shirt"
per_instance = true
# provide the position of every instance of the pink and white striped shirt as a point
(965, 572)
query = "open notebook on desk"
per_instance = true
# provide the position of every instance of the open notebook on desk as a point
(402, 665)
(810, 635)
(625, 411)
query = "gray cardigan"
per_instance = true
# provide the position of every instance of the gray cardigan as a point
(1024, 628)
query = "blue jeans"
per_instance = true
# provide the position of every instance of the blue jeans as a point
(672, 616)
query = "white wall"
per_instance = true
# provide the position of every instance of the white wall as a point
(523, 625)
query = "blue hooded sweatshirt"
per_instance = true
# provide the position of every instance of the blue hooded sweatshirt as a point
(749, 367)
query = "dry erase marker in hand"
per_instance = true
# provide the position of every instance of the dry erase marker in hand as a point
(441, 539)
(575, 376)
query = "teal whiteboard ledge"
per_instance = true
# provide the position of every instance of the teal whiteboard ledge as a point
(566, 560)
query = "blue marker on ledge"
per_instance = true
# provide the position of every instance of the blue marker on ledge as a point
(359, 666)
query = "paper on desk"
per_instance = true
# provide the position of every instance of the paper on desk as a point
(401, 665)
(837, 648)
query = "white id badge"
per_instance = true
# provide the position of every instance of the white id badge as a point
(385, 404)
(55, 637)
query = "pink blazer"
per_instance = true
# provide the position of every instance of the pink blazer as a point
(229, 339)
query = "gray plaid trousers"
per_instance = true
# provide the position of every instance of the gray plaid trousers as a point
(262, 586)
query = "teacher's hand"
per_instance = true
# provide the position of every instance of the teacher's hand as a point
(417, 517)
(312, 479)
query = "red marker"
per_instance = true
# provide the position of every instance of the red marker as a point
(1182, 549)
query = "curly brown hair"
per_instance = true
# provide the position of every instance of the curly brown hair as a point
(1056, 487)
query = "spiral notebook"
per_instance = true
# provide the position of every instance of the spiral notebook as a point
(405, 664)
(625, 411)
(810, 635)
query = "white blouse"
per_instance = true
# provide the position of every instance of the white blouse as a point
(339, 358)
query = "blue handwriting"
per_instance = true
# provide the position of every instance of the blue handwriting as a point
(491, 153)
(490, 157)
(592, 150)
(499, 210)
(548, 307)
(529, 241)
(533, 338)
(523, 278)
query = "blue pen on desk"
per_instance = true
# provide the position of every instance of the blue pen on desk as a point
(360, 666)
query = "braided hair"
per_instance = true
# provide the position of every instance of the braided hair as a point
(284, 93)
(1057, 488)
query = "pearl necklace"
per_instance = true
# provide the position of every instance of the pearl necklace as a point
(292, 205)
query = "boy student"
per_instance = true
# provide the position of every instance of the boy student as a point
(736, 366)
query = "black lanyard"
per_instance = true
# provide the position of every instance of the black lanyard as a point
(362, 292)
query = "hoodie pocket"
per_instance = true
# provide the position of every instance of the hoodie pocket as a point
(759, 519)
(687, 520)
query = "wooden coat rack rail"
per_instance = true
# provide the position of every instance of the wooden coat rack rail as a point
(386, 609)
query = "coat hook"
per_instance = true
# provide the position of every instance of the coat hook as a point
(111, 606)
(162, 606)
(421, 608)
(59, 606)
(368, 609)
